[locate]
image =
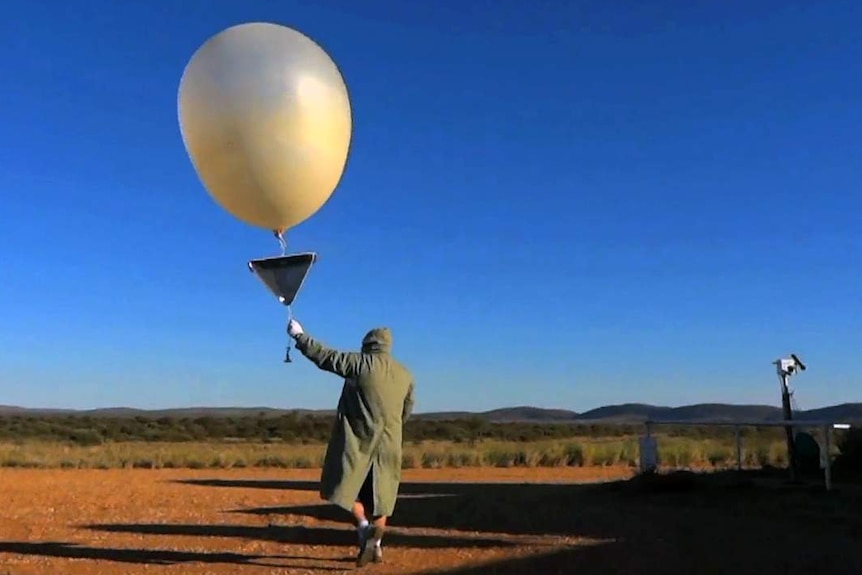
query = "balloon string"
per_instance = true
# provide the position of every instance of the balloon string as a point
(279, 234)
(281, 241)
(287, 351)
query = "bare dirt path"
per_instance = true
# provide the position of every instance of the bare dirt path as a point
(250, 521)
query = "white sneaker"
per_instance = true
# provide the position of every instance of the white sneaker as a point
(370, 551)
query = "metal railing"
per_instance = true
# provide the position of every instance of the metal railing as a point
(824, 426)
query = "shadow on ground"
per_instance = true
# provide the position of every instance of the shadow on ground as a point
(683, 523)
(300, 535)
(141, 556)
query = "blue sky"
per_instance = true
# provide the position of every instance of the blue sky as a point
(561, 204)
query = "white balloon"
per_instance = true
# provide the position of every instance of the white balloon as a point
(265, 117)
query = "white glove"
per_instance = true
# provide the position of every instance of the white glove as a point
(293, 328)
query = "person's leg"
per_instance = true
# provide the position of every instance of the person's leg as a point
(358, 512)
(362, 507)
(371, 550)
(376, 536)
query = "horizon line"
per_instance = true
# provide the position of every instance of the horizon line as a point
(439, 411)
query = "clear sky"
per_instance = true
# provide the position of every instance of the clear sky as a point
(554, 203)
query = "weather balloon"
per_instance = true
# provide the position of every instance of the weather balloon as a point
(266, 120)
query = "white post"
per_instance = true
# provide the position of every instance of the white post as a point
(648, 451)
(738, 448)
(827, 468)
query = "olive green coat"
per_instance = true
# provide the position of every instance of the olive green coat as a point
(376, 399)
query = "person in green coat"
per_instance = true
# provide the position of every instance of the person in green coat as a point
(362, 466)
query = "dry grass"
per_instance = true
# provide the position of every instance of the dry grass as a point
(675, 453)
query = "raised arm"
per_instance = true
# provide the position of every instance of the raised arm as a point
(342, 363)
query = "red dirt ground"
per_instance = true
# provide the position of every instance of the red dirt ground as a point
(106, 522)
(453, 522)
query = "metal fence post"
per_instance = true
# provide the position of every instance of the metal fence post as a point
(827, 467)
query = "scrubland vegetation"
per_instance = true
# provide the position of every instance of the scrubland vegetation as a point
(292, 441)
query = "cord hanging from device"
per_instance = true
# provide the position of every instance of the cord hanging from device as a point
(287, 350)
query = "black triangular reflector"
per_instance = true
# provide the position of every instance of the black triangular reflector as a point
(283, 275)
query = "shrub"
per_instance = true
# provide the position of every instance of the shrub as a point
(849, 459)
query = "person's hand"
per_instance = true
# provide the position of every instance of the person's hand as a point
(293, 328)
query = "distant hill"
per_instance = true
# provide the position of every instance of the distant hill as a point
(697, 412)
(15, 410)
(627, 412)
(848, 411)
(506, 414)
(177, 412)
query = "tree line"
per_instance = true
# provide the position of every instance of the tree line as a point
(313, 428)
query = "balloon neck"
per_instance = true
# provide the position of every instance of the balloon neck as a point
(279, 235)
